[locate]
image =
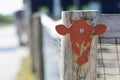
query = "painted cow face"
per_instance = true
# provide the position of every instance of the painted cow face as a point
(81, 36)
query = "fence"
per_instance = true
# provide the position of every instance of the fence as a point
(109, 59)
(109, 48)
(108, 51)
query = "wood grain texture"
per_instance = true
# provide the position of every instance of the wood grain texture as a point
(113, 27)
(69, 68)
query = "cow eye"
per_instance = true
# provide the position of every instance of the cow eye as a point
(81, 30)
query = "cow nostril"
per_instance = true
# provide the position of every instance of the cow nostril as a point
(81, 30)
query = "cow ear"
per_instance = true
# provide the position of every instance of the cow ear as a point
(61, 29)
(99, 29)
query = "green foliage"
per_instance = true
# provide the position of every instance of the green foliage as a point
(72, 8)
(44, 9)
(6, 19)
(85, 7)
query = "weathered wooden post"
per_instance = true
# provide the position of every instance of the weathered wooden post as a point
(79, 67)
(37, 49)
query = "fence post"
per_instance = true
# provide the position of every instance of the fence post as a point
(37, 54)
(70, 70)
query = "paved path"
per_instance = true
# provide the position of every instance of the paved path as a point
(10, 53)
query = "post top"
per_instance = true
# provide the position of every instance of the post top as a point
(81, 11)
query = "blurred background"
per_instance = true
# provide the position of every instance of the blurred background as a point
(28, 52)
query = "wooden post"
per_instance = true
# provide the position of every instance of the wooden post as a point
(70, 70)
(34, 30)
(37, 48)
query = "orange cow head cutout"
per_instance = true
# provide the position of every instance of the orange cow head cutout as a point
(81, 36)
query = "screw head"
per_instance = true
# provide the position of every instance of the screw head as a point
(81, 30)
